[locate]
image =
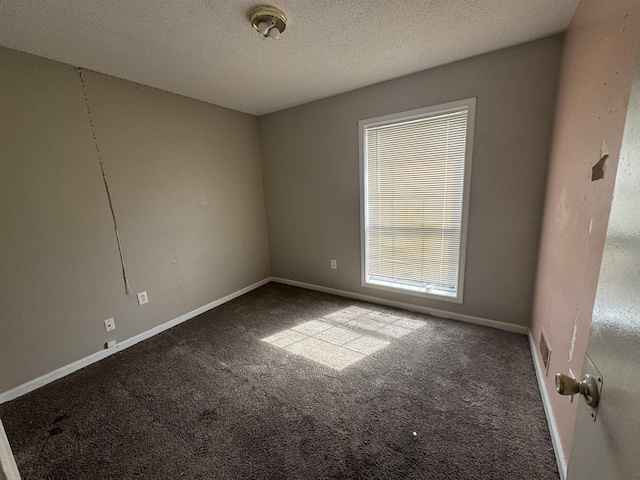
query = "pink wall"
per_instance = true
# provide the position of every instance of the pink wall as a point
(595, 81)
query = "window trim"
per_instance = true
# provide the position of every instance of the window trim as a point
(470, 104)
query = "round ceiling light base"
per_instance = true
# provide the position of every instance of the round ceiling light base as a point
(271, 16)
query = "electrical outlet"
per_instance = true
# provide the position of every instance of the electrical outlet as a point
(334, 264)
(142, 298)
(109, 324)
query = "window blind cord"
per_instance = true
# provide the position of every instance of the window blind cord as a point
(379, 190)
(127, 288)
(444, 204)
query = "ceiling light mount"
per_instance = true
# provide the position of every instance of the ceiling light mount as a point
(268, 21)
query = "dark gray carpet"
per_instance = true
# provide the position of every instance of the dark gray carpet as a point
(209, 399)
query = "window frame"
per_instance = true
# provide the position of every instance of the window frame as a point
(470, 105)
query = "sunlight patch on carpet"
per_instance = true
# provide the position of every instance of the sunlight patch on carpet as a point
(337, 340)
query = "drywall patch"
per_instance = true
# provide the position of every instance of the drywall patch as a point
(127, 288)
(597, 171)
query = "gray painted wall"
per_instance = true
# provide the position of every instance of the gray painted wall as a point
(311, 174)
(186, 182)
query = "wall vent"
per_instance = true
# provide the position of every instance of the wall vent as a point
(545, 352)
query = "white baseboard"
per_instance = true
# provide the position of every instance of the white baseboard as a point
(553, 429)
(77, 365)
(7, 462)
(408, 306)
(83, 362)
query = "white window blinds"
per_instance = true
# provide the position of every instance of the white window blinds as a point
(415, 180)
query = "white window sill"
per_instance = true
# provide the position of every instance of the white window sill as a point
(442, 295)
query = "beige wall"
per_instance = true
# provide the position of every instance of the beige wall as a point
(186, 182)
(310, 163)
(595, 81)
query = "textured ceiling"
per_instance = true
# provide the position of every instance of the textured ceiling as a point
(206, 49)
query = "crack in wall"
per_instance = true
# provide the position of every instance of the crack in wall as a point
(127, 288)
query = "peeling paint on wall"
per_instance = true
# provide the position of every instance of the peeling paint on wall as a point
(597, 171)
(573, 338)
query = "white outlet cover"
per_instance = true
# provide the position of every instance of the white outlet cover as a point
(109, 324)
(143, 298)
(334, 264)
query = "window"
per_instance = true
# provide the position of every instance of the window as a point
(415, 172)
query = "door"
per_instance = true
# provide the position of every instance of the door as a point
(609, 447)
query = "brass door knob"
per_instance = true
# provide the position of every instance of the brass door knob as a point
(588, 387)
